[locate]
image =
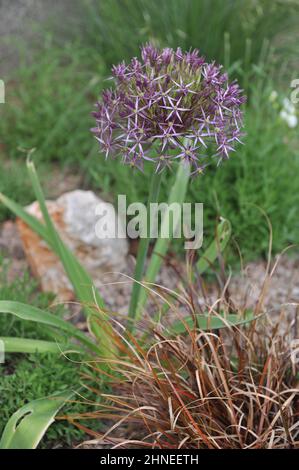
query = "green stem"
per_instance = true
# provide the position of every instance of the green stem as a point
(143, 246)
(177, 195)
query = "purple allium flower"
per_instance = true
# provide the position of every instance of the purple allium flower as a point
(171, 100)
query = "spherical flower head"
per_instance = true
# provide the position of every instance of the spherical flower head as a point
(167, 106)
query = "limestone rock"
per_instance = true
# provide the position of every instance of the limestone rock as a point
(75, 217)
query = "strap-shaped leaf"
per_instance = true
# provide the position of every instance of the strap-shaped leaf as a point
(27, 426)
(34, 314)
(211, 322)
(223, 233)
(26, 345)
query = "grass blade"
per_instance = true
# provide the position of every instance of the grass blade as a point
(211, 322)
(30, 313)
(24, 345)
(29, 219)
(223, 234)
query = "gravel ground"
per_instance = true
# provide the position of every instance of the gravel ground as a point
(114, 287)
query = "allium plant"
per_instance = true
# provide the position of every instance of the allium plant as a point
(169, 106)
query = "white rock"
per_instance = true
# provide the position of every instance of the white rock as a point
(75, 215)
(81, 211)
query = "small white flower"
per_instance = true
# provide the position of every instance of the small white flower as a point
(273, 96)
(289, 118)
(292, 121)
(288, 106)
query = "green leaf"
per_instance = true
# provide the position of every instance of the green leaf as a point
(34, 314)
(211, 322)
(223, 234)
(24, 345)
(27, 426)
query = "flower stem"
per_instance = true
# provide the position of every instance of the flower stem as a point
(143, 246)
(177, 195)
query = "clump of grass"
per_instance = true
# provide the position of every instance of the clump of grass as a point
(194, 388)
(200, 390)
